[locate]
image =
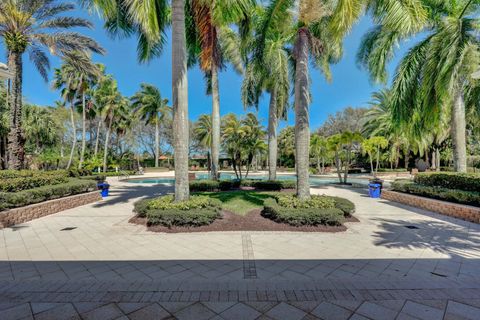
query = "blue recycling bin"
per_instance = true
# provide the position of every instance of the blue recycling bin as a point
(374, 190)
(104, 189)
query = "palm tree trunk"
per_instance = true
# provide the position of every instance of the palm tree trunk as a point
(16, 141)
(84, 132)
(272, 136)
(437, 151)
(97, 138)
(339, 166)
(371, 166)
(347, 165)
(74, 135)
(458, 133)
(105, 149)
(180, 100)
(157, 141)
(302, 126)
(434, 159)
(215, 123)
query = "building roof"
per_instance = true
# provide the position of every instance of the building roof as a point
(4, 73)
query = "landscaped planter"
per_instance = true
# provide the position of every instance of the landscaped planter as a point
(23, 214)
(460, 211)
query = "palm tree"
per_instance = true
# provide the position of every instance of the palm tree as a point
(203, 134)
(319, 150)
(433, 78)
(149, 20)
(27, 26)
(153, 109)
(213, 41)
(268, 70)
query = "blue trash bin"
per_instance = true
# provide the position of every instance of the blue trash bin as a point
(104, 189)
(374, 190)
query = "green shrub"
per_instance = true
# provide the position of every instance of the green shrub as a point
(347, 206)
(197, 211)
(302, 216)
(113, 173)
(318, 202)
(204, 185)
(441, 193)
(269, 185)
(44, 193)
(35, 180)
(75, 172)
(450, 180)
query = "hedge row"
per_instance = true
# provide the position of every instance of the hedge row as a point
(38, 179)
(114, 173)
(302, 216)
(44, 193)
(197, 211)
(441, 193)
(225, 185)
(449, 180)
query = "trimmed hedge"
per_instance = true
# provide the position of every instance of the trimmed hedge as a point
(291, 201)
(450, 180)
(302, 216)
(347, 206)
(225, 185)
(441, 193)
(26, 197)
(113, 173)
(33, 179)
(197, 211)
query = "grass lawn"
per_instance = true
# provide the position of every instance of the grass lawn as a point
(239, 202)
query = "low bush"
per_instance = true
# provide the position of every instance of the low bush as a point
(44, 193)
(226, 185)
(347, 206)
(449, 180)
(35, 180)
(197, 211)
(441, 193)
(293, 202)
(302, 216)
(114, 173)
(75, 172)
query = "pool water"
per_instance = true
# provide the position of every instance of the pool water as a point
(314, 181)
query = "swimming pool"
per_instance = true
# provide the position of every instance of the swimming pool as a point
(314, 181)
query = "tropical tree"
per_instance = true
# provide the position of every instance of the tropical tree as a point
(268, 70)
(434, 77)
(349, 140)
(373, 146)
(203, 134)
(153, 109)
(335, 146)
(149, 20)
(40, 128)
(319, 151)
(212, 41)
(286, 146)
(28, 26)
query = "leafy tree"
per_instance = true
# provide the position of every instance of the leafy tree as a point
(203, 134)
(286, 146)
(319, 151)
(29, 26)
(373, 146)
(433, 78)
(153, 109)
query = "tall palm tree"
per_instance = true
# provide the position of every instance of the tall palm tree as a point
(319, 150)
(213, 42)
(203, 134)
(433, 78)
(149, 20)
(268, 70)
(148, 102)
(27, 26)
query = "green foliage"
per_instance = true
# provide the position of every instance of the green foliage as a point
(114, 173)
(347, 206)
(436, 192)
(44, 193)
(75, 172)
(302, 216)
(204, 185)
(225, 185)
(31, 179)
(240, 201)
(197, 211)
(450, 180)
(318, 202)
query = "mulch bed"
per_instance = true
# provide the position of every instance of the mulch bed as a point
(252, 221)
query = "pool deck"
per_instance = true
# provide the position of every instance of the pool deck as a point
(396, 263)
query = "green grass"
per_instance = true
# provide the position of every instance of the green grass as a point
(239, 202)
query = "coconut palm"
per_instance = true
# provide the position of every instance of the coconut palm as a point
(433, 78)
(29, 26)
(268, 70)
(153, 109)
(149, 20)
(212, 41)
(203, 134)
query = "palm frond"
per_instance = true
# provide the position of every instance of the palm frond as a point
(40, 60)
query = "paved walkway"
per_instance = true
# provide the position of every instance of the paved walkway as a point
(90, 263)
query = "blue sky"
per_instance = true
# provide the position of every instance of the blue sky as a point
(350, 85)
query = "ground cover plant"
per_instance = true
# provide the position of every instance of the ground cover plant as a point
(226, 185)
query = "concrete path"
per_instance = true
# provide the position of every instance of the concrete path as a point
(89, 262)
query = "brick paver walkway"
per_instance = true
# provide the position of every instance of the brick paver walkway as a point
(90, 263)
